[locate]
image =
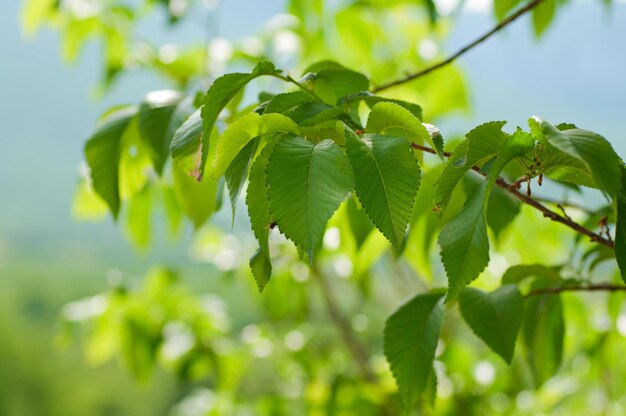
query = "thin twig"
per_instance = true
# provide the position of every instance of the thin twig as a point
(352, 343)
(599, 287)
(534, 203)
(461, 51)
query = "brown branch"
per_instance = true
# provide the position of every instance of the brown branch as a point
(600, 287)
(461, 51)
(534, 203)
(355, 347)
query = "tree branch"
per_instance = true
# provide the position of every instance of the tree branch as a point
(461, 51)
(352, 343)
(600, 287)
(534, 203)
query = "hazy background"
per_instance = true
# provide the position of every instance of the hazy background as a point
(576, 73)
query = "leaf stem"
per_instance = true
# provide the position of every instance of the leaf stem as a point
(534, 203)
(463, 50)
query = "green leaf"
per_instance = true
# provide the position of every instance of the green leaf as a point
(190, 151)
(464, 243)
(494, 317)
(620, 227)
(544, 330)
(482, 143)
(102, 152)
(331, 84)
(591, 149)
(371, 100)
(410, 339)
(502, 209)
(516, 274)
(307, 183)
(542, 16)
(258, 204)
(244, 130)
(502, 8)
(283, 103)
(196, 199)
(310, 114)
(387, 178)
(138, 218)
(392, 119)
(154, 117)
(236, 174)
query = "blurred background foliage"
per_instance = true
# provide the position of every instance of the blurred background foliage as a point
(195, 337)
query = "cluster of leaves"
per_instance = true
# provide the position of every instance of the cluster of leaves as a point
(303, 153)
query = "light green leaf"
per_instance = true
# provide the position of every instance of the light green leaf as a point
(102, 152)
(464, 243)
(410, 339)
(135, 164)
(154, 117)
(387, 178)
(482, 144)
(502, 8)
(190, 151)
(260, 218)
(494, 317)
(544, 330)
(196, 199)
(372, 100)
(137, 224)
(392, 119)
(542, 16)
(592, 149)
(244, 130)
(307, 183)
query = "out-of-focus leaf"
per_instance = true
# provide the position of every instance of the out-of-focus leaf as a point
(154, 117)
(102, 152)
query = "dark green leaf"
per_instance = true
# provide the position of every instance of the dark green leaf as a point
(591, 149)
(307, 182)
(259, 212)
(464, 243)
(387, 178)
(237, 173)
(494, 317)
(620, 228)
(410, 340)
